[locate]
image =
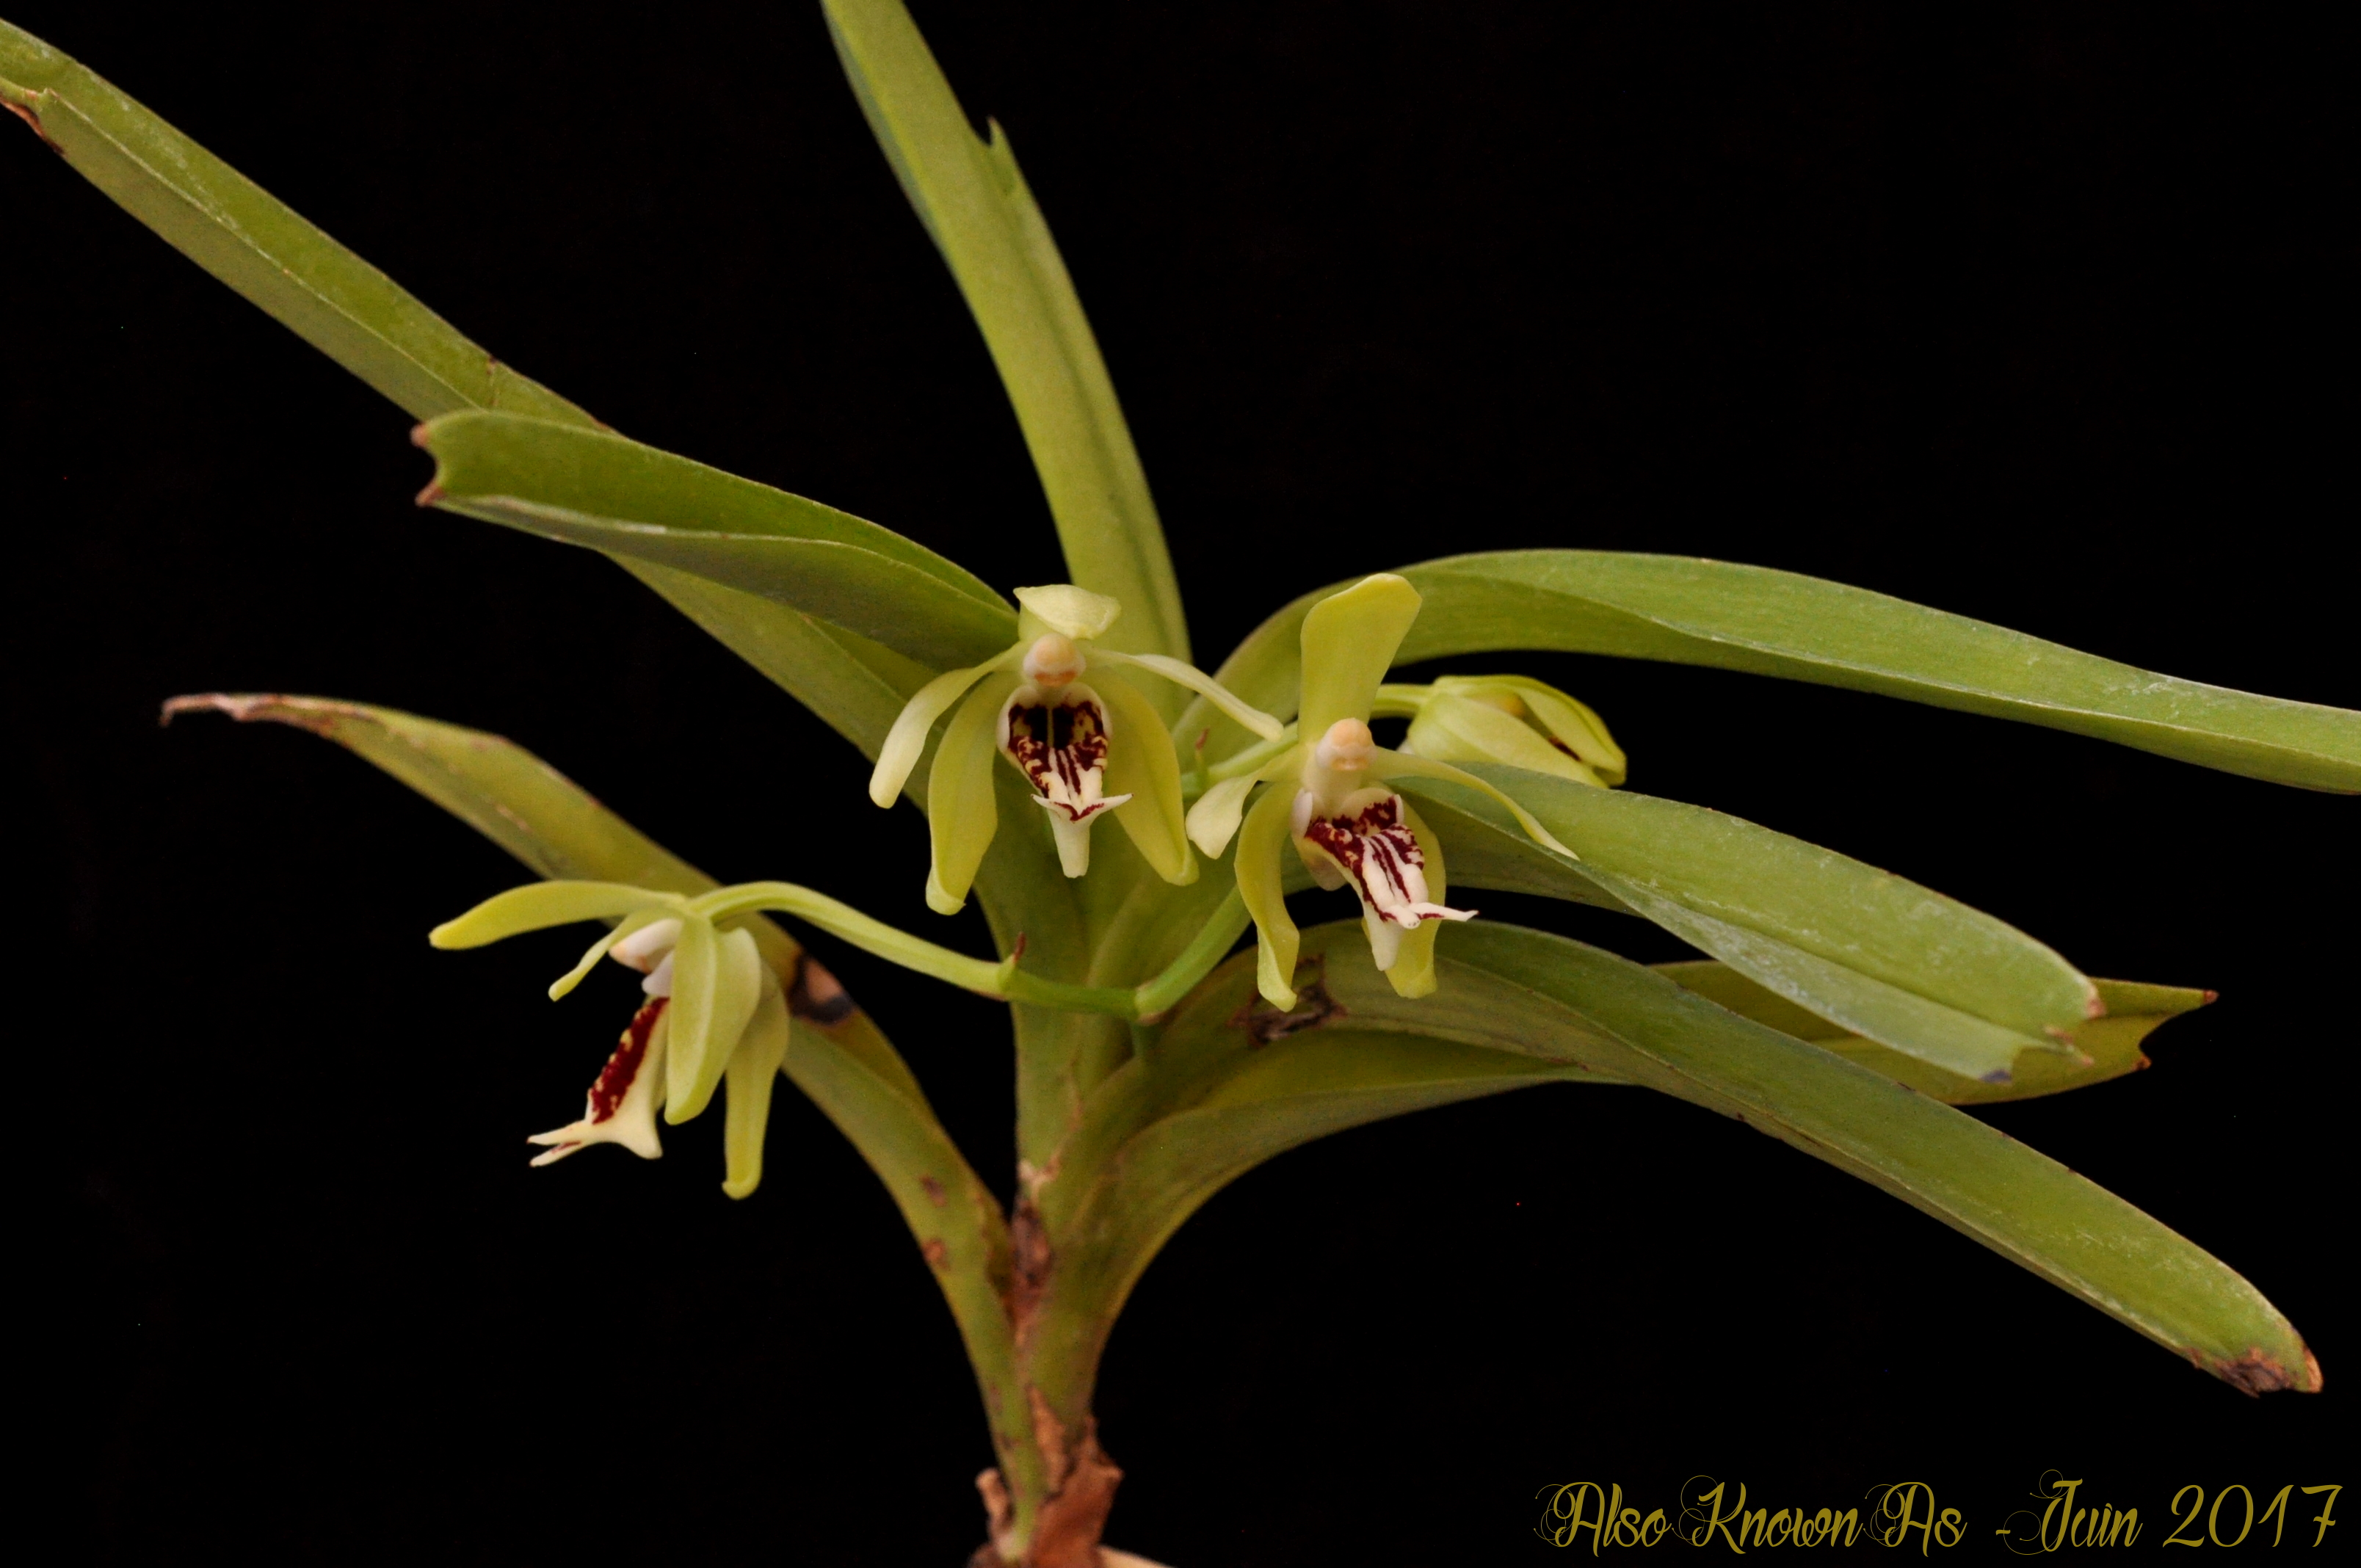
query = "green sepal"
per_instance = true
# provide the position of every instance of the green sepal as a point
(1262, 841)
(1142, 764)
(716, 979)
(1348, 642)
(1068, 612)
(752, 1073)
(906, 742)
(962, 815)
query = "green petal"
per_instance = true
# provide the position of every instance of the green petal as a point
(1348, 644)
(1198, 681)
(1260, 842)
(1068, 610)
(716, 979)
(907, 741)
(1392, 765)
(752, 1073)
(696, 960)
(1214, 820)
(540, 905)
(961, 813)
(1453, 728)
(630, 925)
(1142, 764)
(1413, 972)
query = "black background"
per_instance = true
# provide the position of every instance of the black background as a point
(2034, 313)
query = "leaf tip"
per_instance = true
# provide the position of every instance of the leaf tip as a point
(2255, 1373)
(242, 708)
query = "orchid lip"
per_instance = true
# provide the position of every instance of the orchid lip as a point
(1370, 842)
(621, 1104)
(1059, 741)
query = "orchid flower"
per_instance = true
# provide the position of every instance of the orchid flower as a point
(1513, 720)
(1086, 749)
(715, 1012)
(1331, 801)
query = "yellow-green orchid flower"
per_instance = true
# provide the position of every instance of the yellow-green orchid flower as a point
(715, 1012)
(1086, 747)
(1330, 799)
(1505, 719)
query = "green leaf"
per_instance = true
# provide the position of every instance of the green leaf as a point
(511, 797)
(954, 1218)
(1880, 956)
(493, 784)
(976, 207)
(367, 323)
(836, 1054)
(2111, 1043)
(855, 684)
(1770, 622)
(239, 233)
(1221, 1099)
(598, 489)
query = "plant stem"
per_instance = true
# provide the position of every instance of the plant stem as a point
(1003, 981)
(1211, 945)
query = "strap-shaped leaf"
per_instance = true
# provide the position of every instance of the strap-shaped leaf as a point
(856, 685)
(370, 326)
(598, 489)
(239, 233)
(1880, 956)
(1237, 1088)
(836, 1056)
(1770, 622)
(2110, 1046)
(979, 214)
(511, 797)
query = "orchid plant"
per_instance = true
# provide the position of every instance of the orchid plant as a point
(1843, 1010)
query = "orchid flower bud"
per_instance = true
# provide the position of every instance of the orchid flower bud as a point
(1506, 719)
